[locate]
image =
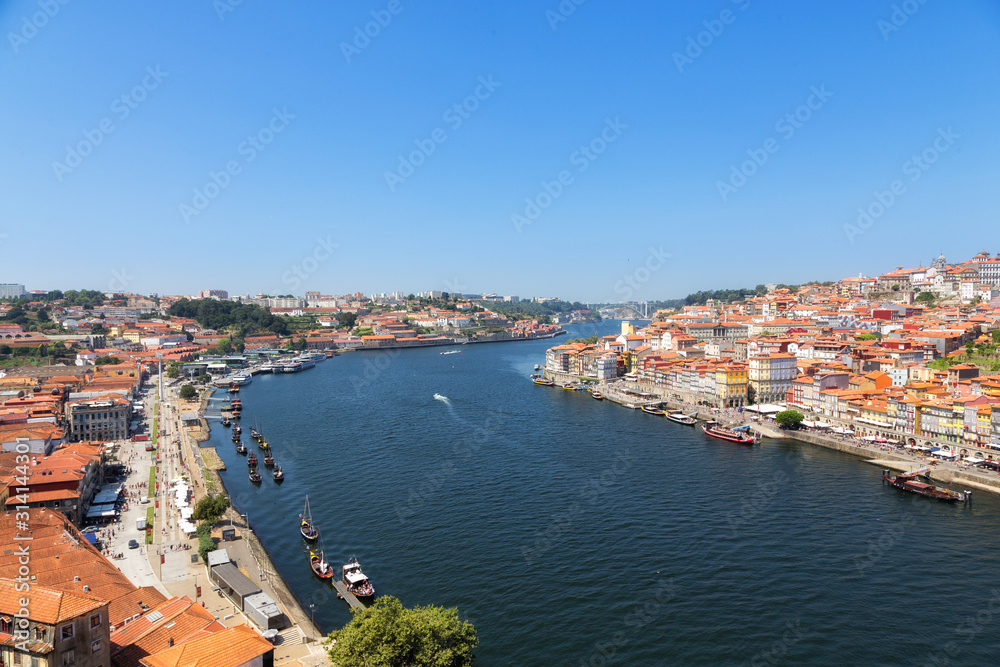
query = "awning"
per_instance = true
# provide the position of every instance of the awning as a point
(92, 538)
(973, 459)
(845, 431)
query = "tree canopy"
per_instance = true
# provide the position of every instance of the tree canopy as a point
(789, 418)
(210, 508)
(220, 315)
(386, 634)
(188, 391)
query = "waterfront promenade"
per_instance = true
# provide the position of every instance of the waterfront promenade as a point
(885, 455)
(167, 563)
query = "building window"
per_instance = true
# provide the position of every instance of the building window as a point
(95, 646)
(66, 632)
(69, 657)
(95, 621)
(5, 625)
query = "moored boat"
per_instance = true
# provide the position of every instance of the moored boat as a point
(715, 430)
(255, 477)
(597, 395)
(226, 422)
(241, 448)
(907, 481)
(252, 461)
(539, 380)
(268, 460)
(653, 411)
(681, 418)
(278, 474)
(306, 527)
(355, 579)
(318, 564)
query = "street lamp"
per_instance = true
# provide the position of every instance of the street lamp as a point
(312, 613)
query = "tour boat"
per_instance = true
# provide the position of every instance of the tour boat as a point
(241, 448)
(355, 579)
(451, 352)
(254, 476)
(714, 430)
(681, 418)
(653, 411)
(234, 387)
(318, 564)
(306, 361)
(293, 366)
(597, 395)
(306, 527)
(907, 481)
(542, 381)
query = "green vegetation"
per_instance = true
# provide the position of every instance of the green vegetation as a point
(108, 361)
(209, 481)
(388, 635)
(926, 297)
(223, 315)
(151, 490)
(585, 341)
(367, 331)
(868, 336)
(188, 392)
(173, 370)
(150, 518)
(210, 508)
(206, 542)
(529, 310)
(789, 419)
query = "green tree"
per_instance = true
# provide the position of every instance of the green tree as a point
(224, 346)
(204, 379)
(925, 297)
(995, 335)
(188, 391)
(210, 508)
(206, 542)
(789, 418)
(388, 635)
(108, 361)
(751, 394)
(173, 370)
(347, 320)
(301, 344)
(866, 336)
(4, 349)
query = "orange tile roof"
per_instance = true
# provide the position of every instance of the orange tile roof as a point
(48, 605)
(228, 648)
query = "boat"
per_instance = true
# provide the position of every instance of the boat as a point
(234, 387)
(271, 367)
(304, 361)
(236, 438)
(314, 356)
(538, 367)
(653, 411)
(681, 418)
(355, 580)
(543, 382)
(241, 448)
(254, 434)
(306, 527)
(226, 422)
(252, 461)
(451, 352)
(597, 395)
(318, 564)
(238, 430)
(278, 474)
(907, 481)
(255, 477)
(715, 430)
(268, 460)
(262, 444)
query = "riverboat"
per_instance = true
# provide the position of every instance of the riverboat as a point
(542, 381)
(715, 430)
(680, 418)
(225, 422)
(596, 395)
(241, 448)
(268, 460)
(278, 474)
(355, 579)
(318, 564)
(653, 411)
(306, 527)
(252, 461)
(255, 477)
(907, 481)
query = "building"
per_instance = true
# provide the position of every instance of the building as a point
(771, 376)
(11, 291)
(213, 294)
(62, 627)
(105, 418)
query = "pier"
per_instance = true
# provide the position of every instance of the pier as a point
(347, 595)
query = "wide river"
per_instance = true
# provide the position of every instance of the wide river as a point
(577, 532)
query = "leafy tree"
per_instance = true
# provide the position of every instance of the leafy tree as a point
(98, 329)
(751, 394)
(206, 542)
(301, 344)
(108, 361)
(995, 335)
(173, 370)
(4, 349)
(188, 392)
(210, 508)
(388, 635)
(410, 297)
(867, 336)
(224, 346)
(204, 379)
(925, 297)
(789, 418)
(347, 320)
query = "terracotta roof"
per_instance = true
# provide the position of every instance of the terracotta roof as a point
(48, 605)
(228, 648)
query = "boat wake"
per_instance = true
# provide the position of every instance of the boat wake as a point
(443, 399)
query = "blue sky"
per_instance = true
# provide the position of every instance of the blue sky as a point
(309, 129)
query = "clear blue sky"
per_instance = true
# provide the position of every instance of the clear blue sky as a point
(115, 219)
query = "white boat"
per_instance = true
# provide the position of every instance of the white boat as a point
(315, 356)
(293, 366)
(271, 367)
(305, 362)
(450, 352)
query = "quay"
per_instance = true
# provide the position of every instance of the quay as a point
(943, 471)
(347, 595)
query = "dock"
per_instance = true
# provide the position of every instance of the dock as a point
(347, 595)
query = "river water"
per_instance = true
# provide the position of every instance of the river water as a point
(577, 532)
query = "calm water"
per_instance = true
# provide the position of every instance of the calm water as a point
(571, 531)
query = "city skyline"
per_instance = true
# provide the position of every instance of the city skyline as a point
(700, 147)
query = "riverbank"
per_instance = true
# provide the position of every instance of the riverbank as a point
(203, 464)
(877, 454)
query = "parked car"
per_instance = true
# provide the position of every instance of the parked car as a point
(132, 544)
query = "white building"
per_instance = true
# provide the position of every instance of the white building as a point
(11, 291)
